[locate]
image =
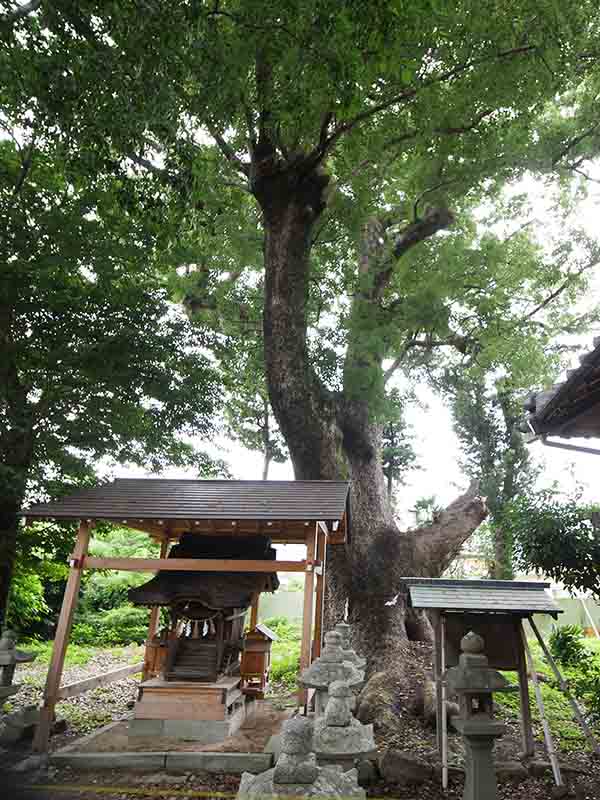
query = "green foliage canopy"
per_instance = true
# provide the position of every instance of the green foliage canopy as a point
(557, 538)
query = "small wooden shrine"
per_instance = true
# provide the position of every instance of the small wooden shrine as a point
(216, 558)
(495, 611)
(256, 661)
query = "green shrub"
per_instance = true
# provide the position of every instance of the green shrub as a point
(124, 625)
(567, 644)
(285, 629)
(116, 626)
(584, 680)
(284, 669)
(84, 633)
(26, 603)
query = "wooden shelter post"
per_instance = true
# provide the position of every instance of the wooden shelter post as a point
(437, 675)
(154, 613)
(526, 722)
(307, 610)
(254, 611)
(320, 594)
(149, 655)
(61, 638)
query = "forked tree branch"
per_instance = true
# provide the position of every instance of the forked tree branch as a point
(229, 152)
(410, 93)
(560, 289)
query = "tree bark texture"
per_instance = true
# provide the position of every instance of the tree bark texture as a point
(333, 436)
(16, 452)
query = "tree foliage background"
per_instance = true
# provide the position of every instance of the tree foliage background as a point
(325, 193)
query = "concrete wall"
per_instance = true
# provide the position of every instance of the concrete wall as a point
(573, 614)
(281, 604)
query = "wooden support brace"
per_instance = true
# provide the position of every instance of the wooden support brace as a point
(565, 689)
(444, 714)
(61, 640)
(540, 702)
(74, 689)
(437, 676)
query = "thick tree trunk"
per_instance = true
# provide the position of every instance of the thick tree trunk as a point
(380, 555)
(304, 411)
(9, 527)
(334, 436)
(16, 453)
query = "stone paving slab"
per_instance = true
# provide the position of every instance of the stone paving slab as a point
(84, 761)
(229, 763)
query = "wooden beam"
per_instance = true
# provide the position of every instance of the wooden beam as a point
(307, 612)
(79, 687)
(61, 639)
(540, 702)
(193, 565)
(320, 595)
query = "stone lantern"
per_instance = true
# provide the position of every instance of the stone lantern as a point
(474, 682)
(297, 774)
(13, 726)
(339, 738)
(349, 653)
(330, 666)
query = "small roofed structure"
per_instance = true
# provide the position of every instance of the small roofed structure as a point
(570, 408)
(215, 559)
(493, 610)
(256, 660)
(482, 596)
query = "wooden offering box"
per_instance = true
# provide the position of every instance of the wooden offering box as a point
(256, 661)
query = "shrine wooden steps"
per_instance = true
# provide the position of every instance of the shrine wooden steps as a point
(192, 659)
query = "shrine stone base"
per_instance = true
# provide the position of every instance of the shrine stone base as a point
(190, 710)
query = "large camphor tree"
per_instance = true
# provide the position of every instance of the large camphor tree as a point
(336, 152)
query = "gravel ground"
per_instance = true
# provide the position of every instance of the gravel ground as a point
(407, 734)
(581, 769)
(83, 713)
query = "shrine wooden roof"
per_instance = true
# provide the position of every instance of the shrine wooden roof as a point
(521, 597)
(158, 505)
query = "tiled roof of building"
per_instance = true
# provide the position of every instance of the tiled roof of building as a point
(572, 407)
